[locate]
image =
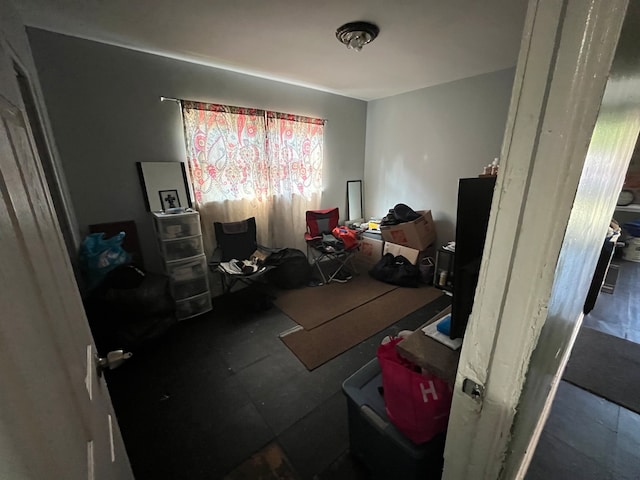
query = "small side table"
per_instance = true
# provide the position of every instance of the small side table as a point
(443, 271)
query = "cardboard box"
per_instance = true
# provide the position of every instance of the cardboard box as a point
(410, 254)
(370, 252)
(418, 234)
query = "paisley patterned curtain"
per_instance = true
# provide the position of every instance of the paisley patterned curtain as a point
(225, 152)
(294, 149)
(248, 162)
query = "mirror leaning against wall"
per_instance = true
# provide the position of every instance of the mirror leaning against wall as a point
(164, 185)
(354, 201)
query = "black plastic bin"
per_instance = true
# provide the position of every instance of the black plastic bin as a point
(386, 452)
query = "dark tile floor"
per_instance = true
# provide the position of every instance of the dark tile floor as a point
(216, 389)
(587, 437)
(205, 397)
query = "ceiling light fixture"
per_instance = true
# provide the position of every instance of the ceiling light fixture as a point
(356, 35)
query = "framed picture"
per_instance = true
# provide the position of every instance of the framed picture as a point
(169, 199)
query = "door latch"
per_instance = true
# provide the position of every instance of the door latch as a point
(113, 360)
(473, 389)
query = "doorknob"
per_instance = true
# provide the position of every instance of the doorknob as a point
(113, 360)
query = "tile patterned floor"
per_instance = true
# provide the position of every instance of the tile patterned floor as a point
(215, 390)
(586, 437)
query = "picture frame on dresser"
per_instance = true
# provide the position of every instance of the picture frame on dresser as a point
(169, 199)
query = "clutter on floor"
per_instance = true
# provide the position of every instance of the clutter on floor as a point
(400, 250)
(126, 307)
(129, 309)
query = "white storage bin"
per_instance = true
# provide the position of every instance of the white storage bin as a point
(177, 226)
(180, 244)
(193, 306)
(189, 288)
(185, 270)
(182, 248)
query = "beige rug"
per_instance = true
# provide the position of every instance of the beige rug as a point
(328, 340)
(313, 306)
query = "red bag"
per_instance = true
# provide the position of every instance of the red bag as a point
(347, 236)
(418, 405)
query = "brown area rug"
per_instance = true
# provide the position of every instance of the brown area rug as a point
(607, 366)
(313, 306)
(270, 463)
(321, 344)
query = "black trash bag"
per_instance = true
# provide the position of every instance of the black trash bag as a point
(396, 270)
(292, 269)
(124, 277)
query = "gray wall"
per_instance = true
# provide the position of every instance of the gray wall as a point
(420, 143)
(104, 106)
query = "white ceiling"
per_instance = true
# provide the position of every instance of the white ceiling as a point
(421, 42)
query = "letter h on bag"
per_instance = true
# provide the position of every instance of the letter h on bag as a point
(426, 391)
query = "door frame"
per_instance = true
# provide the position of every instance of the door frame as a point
(566, 53)
(57, 418)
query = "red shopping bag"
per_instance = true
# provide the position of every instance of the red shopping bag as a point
(418, 405)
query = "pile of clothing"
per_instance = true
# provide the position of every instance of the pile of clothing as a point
(401, 213)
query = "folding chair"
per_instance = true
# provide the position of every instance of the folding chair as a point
(325, 252)
(232, 256)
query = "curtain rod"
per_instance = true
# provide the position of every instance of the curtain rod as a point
(169, 99)
(179, 101)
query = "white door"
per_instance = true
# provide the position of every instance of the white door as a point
(56, 418)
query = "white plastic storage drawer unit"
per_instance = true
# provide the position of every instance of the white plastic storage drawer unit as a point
(180, 244)
(181, 248)
(190, 307)
(188, 277)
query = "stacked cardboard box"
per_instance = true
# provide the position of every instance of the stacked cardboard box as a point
(370, 252)
(411, 239)
(418, 234)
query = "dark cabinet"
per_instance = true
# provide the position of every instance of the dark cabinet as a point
(474, 204)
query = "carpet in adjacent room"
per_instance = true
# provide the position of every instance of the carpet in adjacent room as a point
(607, 366)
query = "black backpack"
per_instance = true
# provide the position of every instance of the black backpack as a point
(292, 270)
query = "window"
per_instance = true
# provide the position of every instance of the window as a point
(239, 153)
(246, 162)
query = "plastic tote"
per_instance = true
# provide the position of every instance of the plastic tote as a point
(418, 405)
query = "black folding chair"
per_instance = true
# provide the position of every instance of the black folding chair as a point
(234, 257)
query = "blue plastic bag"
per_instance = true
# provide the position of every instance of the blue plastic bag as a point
(98, 256)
